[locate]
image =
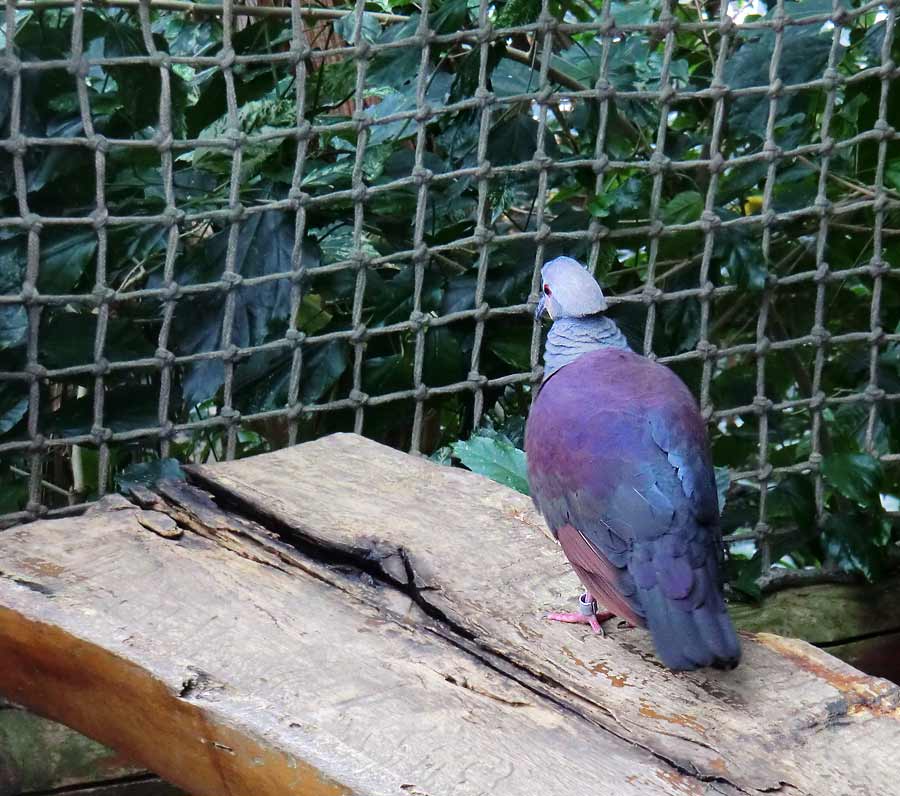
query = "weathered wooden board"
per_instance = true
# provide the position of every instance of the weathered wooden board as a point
(476, 553)
(37, 754)
(349, 619)
(231, 666)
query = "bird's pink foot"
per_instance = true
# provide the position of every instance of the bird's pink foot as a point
(587, 614)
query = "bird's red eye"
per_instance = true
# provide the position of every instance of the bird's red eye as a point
(547, 290)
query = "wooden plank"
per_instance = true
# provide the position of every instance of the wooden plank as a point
(37, 754)
(474, 554)
(230, 663)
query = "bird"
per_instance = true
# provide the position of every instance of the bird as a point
(620, 467)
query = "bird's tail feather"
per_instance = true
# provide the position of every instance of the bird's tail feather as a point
(688, 637)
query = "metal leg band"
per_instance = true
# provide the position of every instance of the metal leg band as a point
(587, 607)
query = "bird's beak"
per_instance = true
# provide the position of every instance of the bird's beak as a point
(541, 308)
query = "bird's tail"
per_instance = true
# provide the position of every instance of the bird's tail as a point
(690, 637)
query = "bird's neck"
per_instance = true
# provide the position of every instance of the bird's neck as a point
(570, 338)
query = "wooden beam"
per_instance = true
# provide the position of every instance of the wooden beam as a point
(348, 619)
(230, 665)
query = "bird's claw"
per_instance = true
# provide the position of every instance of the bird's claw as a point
(581, 619)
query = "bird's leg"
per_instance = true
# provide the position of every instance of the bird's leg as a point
(587, 614)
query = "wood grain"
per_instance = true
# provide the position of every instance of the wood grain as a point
(476, 554)
(231, 664)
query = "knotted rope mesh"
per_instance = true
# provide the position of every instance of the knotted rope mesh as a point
(552, 87)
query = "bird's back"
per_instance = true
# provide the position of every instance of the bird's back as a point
(619, 464)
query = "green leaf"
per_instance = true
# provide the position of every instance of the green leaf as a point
(127, 406)
(370, 29)
(792, 500)
(742, 259)
(13, 326)
(266, 115)
(401, 101)
(511, 78)
(13, 491)
(804, 56)
(146, 474)
(67, 339)
(511, 343)
(743, 573)
(312, 315)
(856, 542)
(13, 317)
(683, 208)
(13, 404)
(495, 458)
(138, 86)
(600, 205)
(322, 369)
(855, 475)
(892, 174)
(723, 482)
(517, 12)
(65, 255)
(333, 85)
(265, 246)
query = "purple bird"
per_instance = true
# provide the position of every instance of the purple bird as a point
(619, 465)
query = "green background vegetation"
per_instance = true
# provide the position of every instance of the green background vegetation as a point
(854, 534)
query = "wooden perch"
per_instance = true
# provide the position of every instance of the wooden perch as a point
(341, 618)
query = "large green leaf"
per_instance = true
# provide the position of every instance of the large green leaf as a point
(683, 208)
(855, 475)
(65, 256)
(264, 246)
(496, 458)
(68, 338)
(856, 542)
(804, 55)
(723, 483)
(127, 406)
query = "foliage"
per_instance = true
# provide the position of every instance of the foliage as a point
(852, 530)
(493, 455)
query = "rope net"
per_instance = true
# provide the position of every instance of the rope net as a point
(514, 133)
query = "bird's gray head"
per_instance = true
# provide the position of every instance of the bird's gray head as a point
(569, 290)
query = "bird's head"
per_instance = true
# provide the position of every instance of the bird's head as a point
(568, 290)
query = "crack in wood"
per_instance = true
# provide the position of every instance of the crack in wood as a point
(364, 561)
(40, 588)
(197, 684)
